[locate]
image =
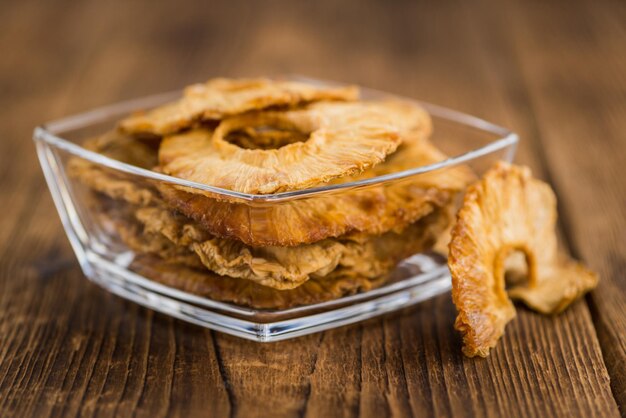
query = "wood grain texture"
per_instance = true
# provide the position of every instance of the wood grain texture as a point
(556, 73)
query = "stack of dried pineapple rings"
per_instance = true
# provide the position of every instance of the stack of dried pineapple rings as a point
(261, 137)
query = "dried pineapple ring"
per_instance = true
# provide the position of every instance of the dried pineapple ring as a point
(345, 139)
(113, 183)
(246, 292)
(290, 267)
(507, 210)
(372, 210)
(221, 97)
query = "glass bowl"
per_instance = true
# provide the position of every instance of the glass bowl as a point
(107, 260)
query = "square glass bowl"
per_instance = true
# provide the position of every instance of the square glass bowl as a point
(104, 258)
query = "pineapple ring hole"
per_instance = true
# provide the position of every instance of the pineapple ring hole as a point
(261, 132)
(515, 268)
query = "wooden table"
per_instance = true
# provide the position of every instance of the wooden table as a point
(556, 73)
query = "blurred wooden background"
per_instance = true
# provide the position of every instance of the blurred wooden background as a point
(553, 71)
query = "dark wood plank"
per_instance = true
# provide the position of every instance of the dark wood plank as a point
(68, 348)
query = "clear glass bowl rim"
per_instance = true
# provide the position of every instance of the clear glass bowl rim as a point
(50, 133)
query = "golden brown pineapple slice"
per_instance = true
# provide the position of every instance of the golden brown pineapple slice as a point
(221, 97)
(372, 210)
(507, 210)
(290, 267)
(345, 139)
(246, 292)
